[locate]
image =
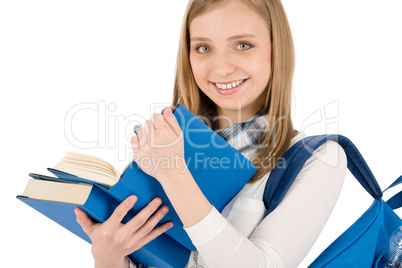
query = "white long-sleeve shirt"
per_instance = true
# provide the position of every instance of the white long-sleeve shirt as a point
(241, 237)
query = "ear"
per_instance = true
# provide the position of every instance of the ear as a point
(171, 120)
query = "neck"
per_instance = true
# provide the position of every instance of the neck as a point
(228, 118)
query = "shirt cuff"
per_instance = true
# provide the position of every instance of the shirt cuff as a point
(207, 229)
(132, 264)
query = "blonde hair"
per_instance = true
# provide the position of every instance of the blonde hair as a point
(279, 129)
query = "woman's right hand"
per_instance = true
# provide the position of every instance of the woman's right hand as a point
(112, 241)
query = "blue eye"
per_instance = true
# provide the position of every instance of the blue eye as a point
(202, 49)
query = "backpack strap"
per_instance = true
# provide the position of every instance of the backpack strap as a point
(283, 175)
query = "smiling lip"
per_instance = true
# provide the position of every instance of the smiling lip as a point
(229, 91)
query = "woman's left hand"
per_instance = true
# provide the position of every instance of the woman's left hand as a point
(159, 148)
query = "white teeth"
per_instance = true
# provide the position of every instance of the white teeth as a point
(230, 85)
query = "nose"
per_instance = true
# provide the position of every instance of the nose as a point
(223, 65)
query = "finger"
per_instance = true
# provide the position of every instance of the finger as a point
(142, 136)
(134, 142)
(172, 121)
(138, 220)
(155, 233)
(149, 127)
(156, 120)
(121, 210)
(86, 223)
(147, 132)
(150, 223)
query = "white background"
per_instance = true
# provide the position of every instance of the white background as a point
(117, 58)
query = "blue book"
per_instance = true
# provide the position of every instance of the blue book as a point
(219, 170)
(57, 201)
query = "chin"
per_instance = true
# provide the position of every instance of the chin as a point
(230, 105)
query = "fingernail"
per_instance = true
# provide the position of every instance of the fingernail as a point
(168, 111)
(157, 201)
(165, 209)
(131, 200)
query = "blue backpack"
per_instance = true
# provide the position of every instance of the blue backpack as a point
(366, 241)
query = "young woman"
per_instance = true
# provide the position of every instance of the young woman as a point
(234, 68)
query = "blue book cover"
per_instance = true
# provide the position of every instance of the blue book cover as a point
(161, 252)
(219, 170)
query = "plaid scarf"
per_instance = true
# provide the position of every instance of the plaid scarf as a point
(245, 137)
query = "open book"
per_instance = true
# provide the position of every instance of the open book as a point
(92, 168)
(84, 169)
(93, 185)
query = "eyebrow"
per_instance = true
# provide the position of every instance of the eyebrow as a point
(235, 37)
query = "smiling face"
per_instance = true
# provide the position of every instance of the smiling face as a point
(230, 56)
